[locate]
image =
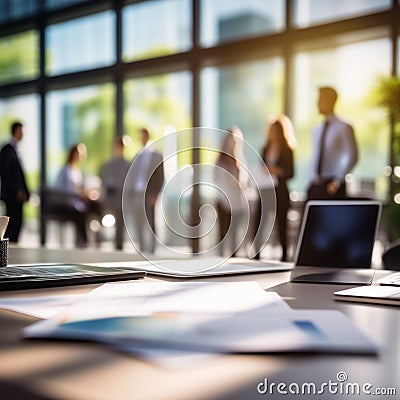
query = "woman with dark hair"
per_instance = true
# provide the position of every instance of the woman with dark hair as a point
(70, 177)
(277, 155)
(76, 203)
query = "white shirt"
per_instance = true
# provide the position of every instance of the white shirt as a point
(69, 179)
(339, 153)
(143, 161)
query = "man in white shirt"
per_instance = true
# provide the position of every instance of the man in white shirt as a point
(335, 151)
(145, 180)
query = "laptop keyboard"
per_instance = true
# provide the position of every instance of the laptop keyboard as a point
(41, 276)
(18, 272)
(390, 280)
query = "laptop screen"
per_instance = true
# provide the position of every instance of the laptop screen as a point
(338, 234)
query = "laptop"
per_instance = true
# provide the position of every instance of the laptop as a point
(336, 242)
(17, 277)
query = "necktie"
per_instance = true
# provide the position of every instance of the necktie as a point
(321, 148)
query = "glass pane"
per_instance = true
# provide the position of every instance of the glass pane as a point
(156, 28)
(19, 57)
(243, 95)
(312, 12)
(83, 43)
(162, 104)
(353, 70)
(227, 20)
(26, 110)
(52, 4)
(15, 9)
(80, 115)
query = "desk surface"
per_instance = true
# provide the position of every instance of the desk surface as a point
(86, 371)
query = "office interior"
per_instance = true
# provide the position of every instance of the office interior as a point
(88, 71)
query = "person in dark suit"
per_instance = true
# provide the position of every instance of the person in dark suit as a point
(14, 190)
(145, 180)
(277, 155)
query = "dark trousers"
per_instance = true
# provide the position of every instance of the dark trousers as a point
(282, 207)
(14, 211)
(228, 224)
(224, 220)
(141, 221)
(318, 191)
(119, 229)
(261, 217)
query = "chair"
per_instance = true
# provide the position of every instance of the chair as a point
(391, 256)
(57, 206)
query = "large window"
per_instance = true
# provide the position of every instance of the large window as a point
(19, 57)
(80, 115)
(312, 12)
(354, 73)
(227, 20)
(244, 95)
(17, 9)
(112, 67)
(156, 28)
(83, 43)
(14, 9)
(52, 4)
(160, 103)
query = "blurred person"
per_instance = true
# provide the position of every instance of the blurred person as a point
(14, 190)
(277, 155)
(113, 177)
(230, 180)
(78, 203)
(144, 182)
(335, 151)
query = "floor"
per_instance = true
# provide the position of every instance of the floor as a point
(63, 237)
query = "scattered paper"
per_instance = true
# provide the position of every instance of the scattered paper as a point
(389, 295)
(124, 299)
(39, 306)
(217, 317)
(246, 332)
